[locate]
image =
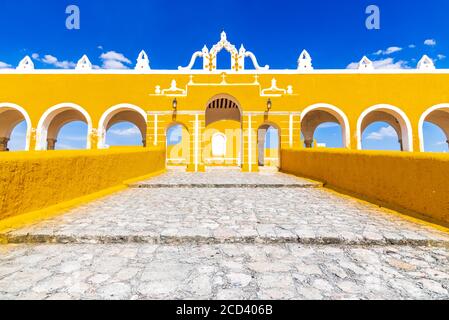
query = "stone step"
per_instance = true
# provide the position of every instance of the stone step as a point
(205, 240)
(304, 185)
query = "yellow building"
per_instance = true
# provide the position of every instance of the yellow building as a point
(223, 114)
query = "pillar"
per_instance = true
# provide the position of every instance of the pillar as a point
(308, 143)
(294, 131)
(4, 144)
(249, 144)
(51, 144)
(197, 127)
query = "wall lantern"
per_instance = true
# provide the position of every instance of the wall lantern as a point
(269, 104)
(175, 104)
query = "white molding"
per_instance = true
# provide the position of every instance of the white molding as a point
(50, 114)
(229, 72)
(14, 106)
(108, 114)
(407, 135)
(423, 119)
(336, 112)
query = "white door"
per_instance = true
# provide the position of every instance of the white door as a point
(219, 145)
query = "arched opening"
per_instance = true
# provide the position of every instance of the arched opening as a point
(218, 145)
(58, 117)
(381, 135)
(178, 145)
(268, 137)
(325, 125)
(223, 134)
(387, 121)
(15, 127)
(434, 129)
(72, 136)
(123, 125)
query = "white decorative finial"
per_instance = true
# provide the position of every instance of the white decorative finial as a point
(26, 64)
(366, 64)
(426, 63)
(224, 36)
(84, 64)
(143, 63)
(305, 61)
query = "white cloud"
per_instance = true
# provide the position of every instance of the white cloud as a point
(388, 51)
(430, 42)
(412, 46)
(100, 47)
(388, 63)
(4, 65)
(134, 131)
(53, 61)
(383, 133)
(441, 57)
(329, 125)
(114, 60)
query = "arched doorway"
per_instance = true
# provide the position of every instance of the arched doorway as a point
(122, 125)
(434, 129)
(391, 121)
(223, 133)
(13, 118)
(269, 140)
(317, 117)
(178, 145)
(57, 117)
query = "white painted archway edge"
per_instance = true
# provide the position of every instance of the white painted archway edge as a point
(108, 114)
(423, 119)
(50, 114)
(404, 122)
(26, 117)
(336, 112)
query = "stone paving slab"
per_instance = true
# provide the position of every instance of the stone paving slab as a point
(226, 178)
(224, 272)
(234, 215)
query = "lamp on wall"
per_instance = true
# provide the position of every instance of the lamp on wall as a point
(269, 104)
(175, 104)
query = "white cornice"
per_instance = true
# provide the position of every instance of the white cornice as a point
(219, 72)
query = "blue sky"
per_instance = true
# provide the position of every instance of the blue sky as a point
(113, 32)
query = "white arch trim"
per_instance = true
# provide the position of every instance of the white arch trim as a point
(26, 117)
(48, 116)
(423, 119)
(404, 122)
(108, 116)
(336, 112)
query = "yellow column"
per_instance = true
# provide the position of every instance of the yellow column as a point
(249, 144)
(32, 140)
(294, 131)
(196, 163)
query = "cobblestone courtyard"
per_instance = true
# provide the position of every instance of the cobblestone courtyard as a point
(226, 235)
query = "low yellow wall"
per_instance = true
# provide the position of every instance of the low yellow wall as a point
(31, 181)
(414, 183)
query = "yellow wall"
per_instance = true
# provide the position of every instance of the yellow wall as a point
(415, 182)
(31, 181)
(414, 93)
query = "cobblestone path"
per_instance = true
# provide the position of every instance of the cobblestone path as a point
(226, 235)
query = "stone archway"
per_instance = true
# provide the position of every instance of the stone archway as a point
(223, 139)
